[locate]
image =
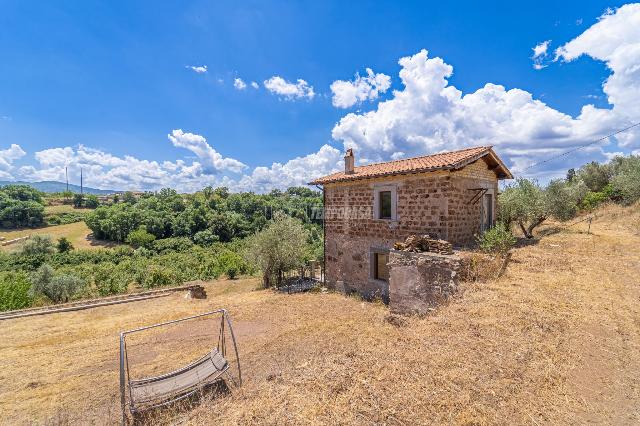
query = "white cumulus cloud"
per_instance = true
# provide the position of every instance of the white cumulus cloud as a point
(615, 40)
(287, 90)
(255, 85)
(348, 93)
(9, 155)
(198, 69)
(296, 172)
(211, 159)
(430, 115)
(239, 84)
(540, 55)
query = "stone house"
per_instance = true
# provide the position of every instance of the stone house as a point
(450, 195)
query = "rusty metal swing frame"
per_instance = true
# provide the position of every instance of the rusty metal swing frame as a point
(153, 392)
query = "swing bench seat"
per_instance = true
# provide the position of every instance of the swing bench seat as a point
(184, 381)
(141, 394)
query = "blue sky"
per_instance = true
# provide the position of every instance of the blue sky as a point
(92, 84)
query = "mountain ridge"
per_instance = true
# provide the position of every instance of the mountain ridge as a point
(50, 186)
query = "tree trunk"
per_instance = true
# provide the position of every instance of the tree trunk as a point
(528, 230)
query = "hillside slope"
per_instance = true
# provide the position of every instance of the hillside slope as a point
(555, 340)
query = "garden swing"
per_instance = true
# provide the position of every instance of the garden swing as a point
(142, 394)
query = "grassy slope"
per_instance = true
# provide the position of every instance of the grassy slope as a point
(77, 233)
(555, 340)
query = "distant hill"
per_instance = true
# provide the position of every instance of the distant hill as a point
(53, 186)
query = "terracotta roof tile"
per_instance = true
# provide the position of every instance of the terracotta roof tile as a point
(442, 161)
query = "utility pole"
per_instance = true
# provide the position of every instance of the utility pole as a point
(66, 175)
(81, 193)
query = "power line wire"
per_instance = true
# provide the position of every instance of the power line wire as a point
(580, 147)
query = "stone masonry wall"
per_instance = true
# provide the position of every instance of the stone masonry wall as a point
(434, 203)
(419, 282)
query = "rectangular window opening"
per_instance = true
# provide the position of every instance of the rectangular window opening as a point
(380, 268)
(385, 204)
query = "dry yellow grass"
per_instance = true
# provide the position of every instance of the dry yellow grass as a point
(64, 208)
(556, 340)
(78, 233)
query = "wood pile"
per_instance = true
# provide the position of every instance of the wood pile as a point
(424, 243)
(197, 292)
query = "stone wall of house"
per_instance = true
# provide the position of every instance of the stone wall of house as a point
(419, 282)
(434, 203)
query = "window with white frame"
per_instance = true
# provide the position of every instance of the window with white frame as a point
(384, 202)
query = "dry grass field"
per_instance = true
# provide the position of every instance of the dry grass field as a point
(556, 340)
(78, 233)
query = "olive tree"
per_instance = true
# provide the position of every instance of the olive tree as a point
(281, 246)
(524, 203)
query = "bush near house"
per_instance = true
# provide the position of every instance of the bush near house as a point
(498, 240)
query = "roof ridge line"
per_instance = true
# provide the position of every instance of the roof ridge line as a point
(426, 155)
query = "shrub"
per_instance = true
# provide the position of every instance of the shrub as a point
(78, 200)
(498, 240)
(141, 238)
(158, 276)
(175, 244)
(38, 245)
(231, 264)
(64, 245)
(592, 200)
(205, 238)
(58, 288)
(109, 279)
(91, 202)
(64, 218)
(15, 291)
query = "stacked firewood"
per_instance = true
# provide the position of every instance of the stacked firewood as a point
(424, 243)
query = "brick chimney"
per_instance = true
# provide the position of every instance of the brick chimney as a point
(349, 161)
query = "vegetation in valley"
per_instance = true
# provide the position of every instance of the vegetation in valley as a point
(170, 238)
(21, 206)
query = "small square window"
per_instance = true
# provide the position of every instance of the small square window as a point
(380, 268)
(385, 205)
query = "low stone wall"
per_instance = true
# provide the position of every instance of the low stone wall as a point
(419, 282)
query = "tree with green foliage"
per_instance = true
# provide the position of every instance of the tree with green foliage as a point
(38, 245)
(64, 245)
(78, 201)
(524, 203)
(563, 198)
(626, 180)
(140, 238)
(91, 201)
(595, 175)
(20, 205)
(129, 198)
(59, 288)
(280, 247)
(22, 193)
